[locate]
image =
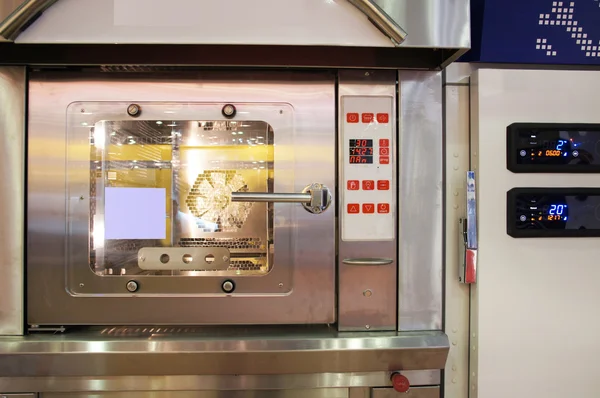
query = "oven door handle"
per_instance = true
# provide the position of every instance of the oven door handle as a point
(315, 198)
(367, 261)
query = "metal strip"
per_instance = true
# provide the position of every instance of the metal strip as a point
(222, 383)
(12, 170)
(381, 20)
(22, 17)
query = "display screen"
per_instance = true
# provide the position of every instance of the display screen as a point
(361, 151)
(554, 212)
(553, 148)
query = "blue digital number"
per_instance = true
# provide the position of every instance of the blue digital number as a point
(560, 144)
(557, 210)
(560, 209)
(552, 210)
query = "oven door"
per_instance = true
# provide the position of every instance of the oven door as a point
(185, 201)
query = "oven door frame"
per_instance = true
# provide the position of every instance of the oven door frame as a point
(311, 298)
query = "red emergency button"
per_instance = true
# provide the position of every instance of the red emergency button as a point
(383, 208)
(383, 118)
(353, 185)
(367, 117)
(383, 185)
(368, 208)
(368, 185)
(352, 117)
(400, 382)
(353, 208)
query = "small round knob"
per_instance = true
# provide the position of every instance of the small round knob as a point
(400, 382)
(132, 286)
(228, 286)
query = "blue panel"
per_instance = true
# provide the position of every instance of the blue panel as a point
(535, 32)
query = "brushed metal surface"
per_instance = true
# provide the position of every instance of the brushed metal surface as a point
(420, 245)
(354, 381)
(291, 393)
(310, 249)
(358, 311)
(12, 209)
(260, 351)
(379, 18)
(414, 392)
(184, 258)
(432, 23)
(21, 17)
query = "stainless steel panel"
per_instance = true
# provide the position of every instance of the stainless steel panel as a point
(432, 23)
(421, 210)
(312, 299)
(159, 352)
(367, 293)
(12, 196)
(312, 393)
(122, 384)
(419, 392)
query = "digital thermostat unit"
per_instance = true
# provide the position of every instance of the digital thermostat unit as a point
(553, 148)
(553, 212)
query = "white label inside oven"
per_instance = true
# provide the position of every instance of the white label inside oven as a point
(367, 185)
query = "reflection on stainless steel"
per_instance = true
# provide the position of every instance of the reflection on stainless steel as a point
(381, 20)
(420, 216)
(183, 258)
(278, 351)
(174, 384)
(12, 170)
(287, 393)
(296, 109)
(21, 17)
(376, 311)
(367, 261)
(418, 392)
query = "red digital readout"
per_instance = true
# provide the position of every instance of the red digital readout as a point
(361, 151)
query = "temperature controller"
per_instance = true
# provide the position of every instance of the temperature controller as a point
(553, 148)
(553, 212)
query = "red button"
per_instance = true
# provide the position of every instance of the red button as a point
(400, 383)
(383, 118)
(367, 117)
(384, 151)
(352, 117)
(384, 160)
(383, 208)
(353, 185)
(383, 185)
(368, 208)
(368, 185)
(353, 208)
(384, 142)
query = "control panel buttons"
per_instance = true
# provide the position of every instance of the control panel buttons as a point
(353, 185)
(368, 208)
(367, 117)
(384, 160)
(383, 118)
(383, 185)
(384, 151)
(384, 142)
(383, 208)
(368, 185)
(353, 208)
(352, 117)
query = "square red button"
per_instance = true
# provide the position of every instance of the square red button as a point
(384, 151)
(353, 208)
(384, 160)
(383, 208)
(368, 185)
(368, 208)
(353, 185)
(367, 117)
(384, 142)
(383, 185)
(352, 117)
(383, 118)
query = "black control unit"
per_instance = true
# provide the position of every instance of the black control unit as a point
(553, 148)
(553, 212)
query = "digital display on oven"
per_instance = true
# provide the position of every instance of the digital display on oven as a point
(553, 148)
(553, 212)
(361, 151)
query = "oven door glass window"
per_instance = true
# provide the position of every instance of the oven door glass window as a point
(154, 198)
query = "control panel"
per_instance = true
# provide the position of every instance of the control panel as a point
(553, 148)
(553, 212)
(367, 169)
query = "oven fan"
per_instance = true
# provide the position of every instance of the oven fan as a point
(210, 202)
